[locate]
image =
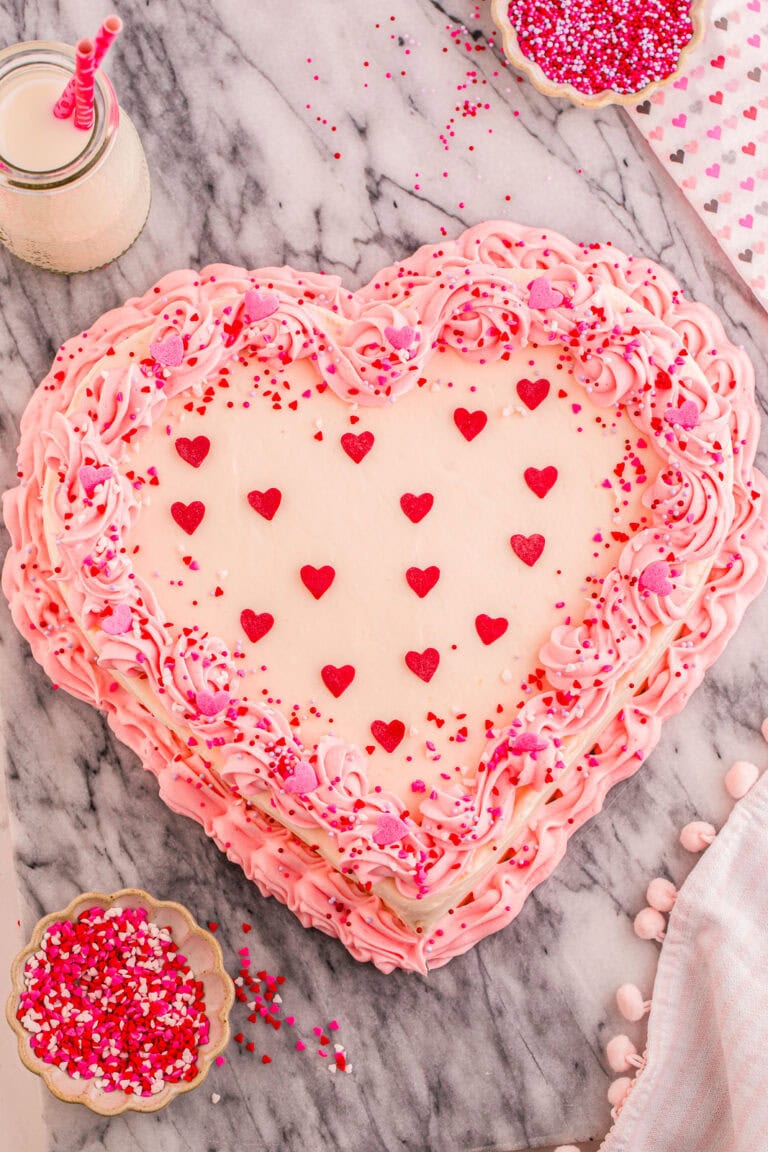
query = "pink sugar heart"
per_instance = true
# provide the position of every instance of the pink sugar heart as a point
(714, 133)
(302, 781)
(528, 742)
(655, 578)
(687, 415)
(91, 477)
(747, 184)
(260, 305)
(169, 352)
(389, 829)
(682, 83)
(681, 120)
(657, 133)
(724, 233)
(657, 98)
(747, 221)
(543, 295)
(713, 171)
(119, 622)
(211, 703)
(690, 182)
(400, 338)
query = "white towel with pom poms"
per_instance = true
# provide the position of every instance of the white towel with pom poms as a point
(705, 1084)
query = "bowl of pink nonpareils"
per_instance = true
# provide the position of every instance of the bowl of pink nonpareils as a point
(120, 1002)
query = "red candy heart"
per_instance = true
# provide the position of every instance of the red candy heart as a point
(193, 451)
(416, 507)
(540, 480)
(388, 735)
(490, 628)
(337, 680)
(188, 516)
(357, 447)
(470, 424)
(532, 392)
(422, 580)
(528, 548)
(265, 503)
(317, 580)
(256, 624)
(423, 664)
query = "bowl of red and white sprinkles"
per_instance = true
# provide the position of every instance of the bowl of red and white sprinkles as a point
(120, 1002)
(598, 52)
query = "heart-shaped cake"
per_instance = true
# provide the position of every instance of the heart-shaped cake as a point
(389, 587)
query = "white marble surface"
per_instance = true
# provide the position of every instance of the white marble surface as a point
(504, 1047)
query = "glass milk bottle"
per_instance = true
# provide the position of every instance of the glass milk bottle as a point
(70, 199)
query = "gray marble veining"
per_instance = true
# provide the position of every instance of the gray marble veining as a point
(504, 1047)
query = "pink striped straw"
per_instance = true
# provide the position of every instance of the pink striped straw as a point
(108, 33)
(84, 70)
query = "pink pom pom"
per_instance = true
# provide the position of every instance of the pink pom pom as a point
(650, 925)
(661, 894)
(619, 1090)
(697, 836)
(630, 1002)
(618, 1052)
(740, 777)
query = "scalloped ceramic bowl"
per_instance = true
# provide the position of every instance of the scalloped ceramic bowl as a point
(206, 964)
(540, 81)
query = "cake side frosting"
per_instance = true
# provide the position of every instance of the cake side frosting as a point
(493, 244)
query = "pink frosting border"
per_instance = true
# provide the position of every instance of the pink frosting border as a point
(367, 928)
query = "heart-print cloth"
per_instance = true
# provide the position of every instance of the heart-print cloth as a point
(709, 128)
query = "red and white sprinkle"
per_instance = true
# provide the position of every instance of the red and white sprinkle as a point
(108, 997)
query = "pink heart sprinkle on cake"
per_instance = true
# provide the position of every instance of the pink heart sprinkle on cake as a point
(389, 587)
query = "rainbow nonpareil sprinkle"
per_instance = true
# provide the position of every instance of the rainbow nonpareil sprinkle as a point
(599, 45)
